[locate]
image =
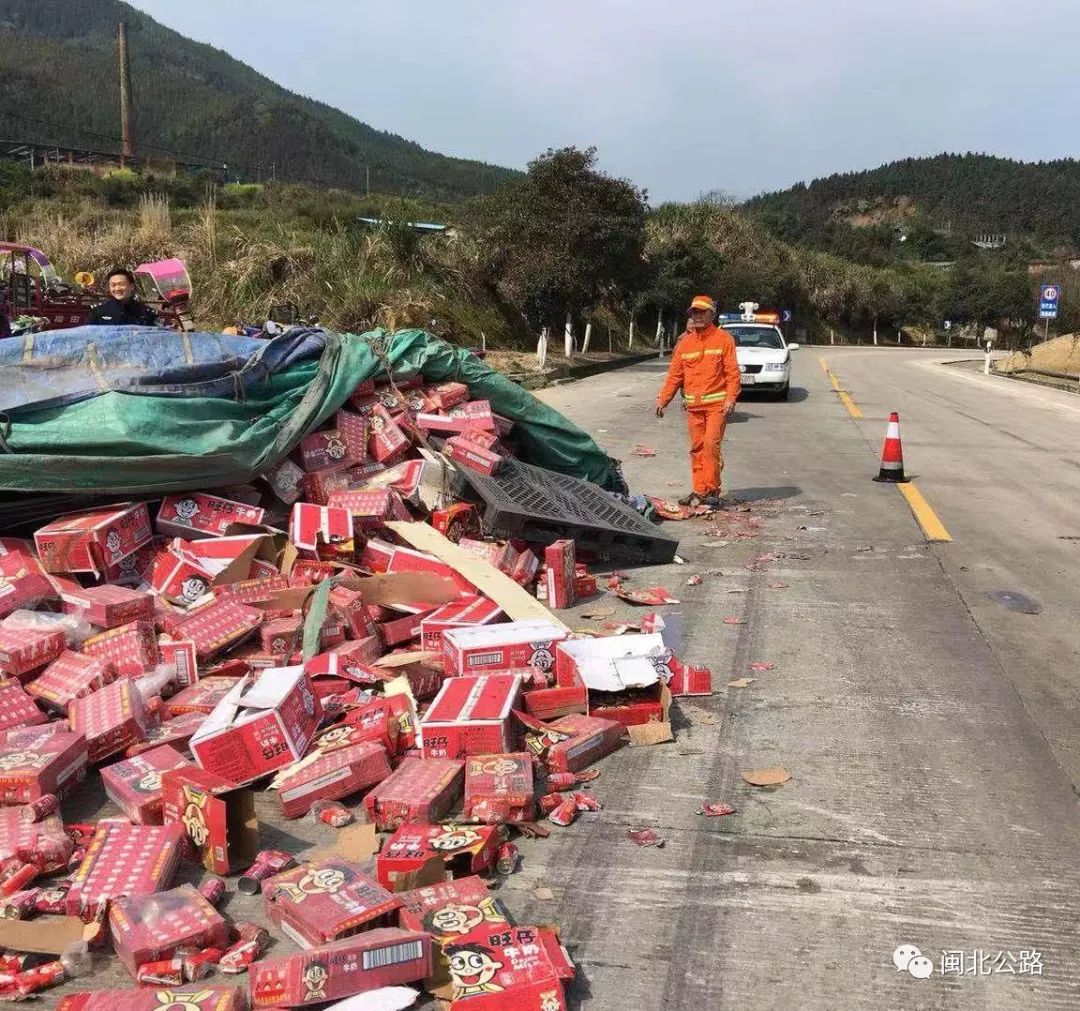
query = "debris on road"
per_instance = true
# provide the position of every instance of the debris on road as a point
(644, 451)
(760, 666)
(717, 810)
(1014, 601)
(767, 777)
(645, 837)
(734, 619)
(741, 683)
(340, 633)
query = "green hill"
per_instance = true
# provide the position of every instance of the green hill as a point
(939, 204)
(58, 85)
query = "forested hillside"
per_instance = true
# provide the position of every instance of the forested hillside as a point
(59, 85)
(931, 208)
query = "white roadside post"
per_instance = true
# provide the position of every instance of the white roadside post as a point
(588, 337)
(630, 343)
(568, 336)
(541, 348)
(659, 326)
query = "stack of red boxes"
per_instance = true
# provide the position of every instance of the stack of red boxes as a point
(17, 709)
(111, 719)
(338, 773)
(499, 788)
(197, 514)
(421, 790)
(93, 541)
(131, 650)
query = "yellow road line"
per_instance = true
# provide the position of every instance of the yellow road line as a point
(932, 527)
(824, 365)
(852, 407)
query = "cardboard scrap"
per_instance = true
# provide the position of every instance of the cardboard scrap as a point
(50, 935)
(741, 683)
(767, 777)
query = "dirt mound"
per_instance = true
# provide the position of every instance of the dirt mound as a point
(1062, 354)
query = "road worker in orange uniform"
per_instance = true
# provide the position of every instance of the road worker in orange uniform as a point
(703, 365)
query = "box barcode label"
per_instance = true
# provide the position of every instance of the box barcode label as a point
(483, 659)
(407, 952)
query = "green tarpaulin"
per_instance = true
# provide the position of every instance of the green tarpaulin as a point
(130, 443)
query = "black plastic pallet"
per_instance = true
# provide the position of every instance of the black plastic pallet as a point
(541, 506)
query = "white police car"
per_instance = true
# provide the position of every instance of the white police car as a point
(763, 354)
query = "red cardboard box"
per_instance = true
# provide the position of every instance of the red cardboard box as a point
(567, 696)
(420, 789)
(369, 509)
(332, 449)
(196, 514)
(91, 541)
(376, 555)
(285, 479)
(112, 719)
(217, 816)
(449, 395)
(353, 429)
(311, 526)
(591, 739)
(325, 900)
(526, 568)
(465, 849)
(283, 635)
(151, 928)
(217, 626)
(39, 760)
(124, 860)
(17, 709)
(368, 961)
(499, 788)
(377, 720)
(468, 454)
(473, 416)
(131, 650)
(180, 655)
(338, 773)
(687, 679)
(386, 440)
(348, 660)
(23, 650)
(266, 721)
(201, 697)
(561, 573)
(196, 997)
(451, 909)
(69, 676)
(468, 612)
(456, 521)
(106, 606)
(408, 560)
(350, 607)
(402, 630)
(22, 582)
(505, 970)
(44, 843)
(502, 647)
(500, 554)
(471, 716)
(253, 591)
(134, 785)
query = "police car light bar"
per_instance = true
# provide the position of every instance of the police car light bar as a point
(757, 317)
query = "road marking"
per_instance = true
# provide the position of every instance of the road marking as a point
(932, 527)
(845, 397)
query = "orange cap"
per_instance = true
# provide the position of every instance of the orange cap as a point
(703, 302)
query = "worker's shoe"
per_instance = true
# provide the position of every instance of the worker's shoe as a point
(714, 500)
(693, 500)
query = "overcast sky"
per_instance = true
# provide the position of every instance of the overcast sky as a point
(683, 96)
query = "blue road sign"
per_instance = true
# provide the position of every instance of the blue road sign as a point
(1049, 295)
(785, 316)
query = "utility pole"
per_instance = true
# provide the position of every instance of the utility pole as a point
(367, 177)
(127, 147)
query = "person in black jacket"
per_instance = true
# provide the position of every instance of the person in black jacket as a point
(123, 307)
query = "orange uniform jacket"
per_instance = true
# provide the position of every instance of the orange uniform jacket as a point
(703, 364)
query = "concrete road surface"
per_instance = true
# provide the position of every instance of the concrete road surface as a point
(930, 732)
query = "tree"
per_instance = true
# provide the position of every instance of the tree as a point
(565, 237)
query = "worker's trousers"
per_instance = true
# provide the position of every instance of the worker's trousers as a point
(706, 456)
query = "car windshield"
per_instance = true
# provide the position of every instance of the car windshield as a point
(756, 336)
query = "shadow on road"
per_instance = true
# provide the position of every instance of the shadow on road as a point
(756, 494)
(796, 395)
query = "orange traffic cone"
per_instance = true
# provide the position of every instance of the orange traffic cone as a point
(892, 453)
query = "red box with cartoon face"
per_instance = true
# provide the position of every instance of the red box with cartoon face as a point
(196, 514)
(386, 440)
(419, 789)
(150, 928)
(509, 969)
(369, 961)
(217, 817)
(92, 541)
(466, 849)
(22, 582)
(502, 647)
(331, 449)
(448, 910)
(196, 997)
(266, 721)
(134, 785)
(325, 900)
(39, 760)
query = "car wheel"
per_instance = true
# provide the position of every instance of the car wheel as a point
(783, 394)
